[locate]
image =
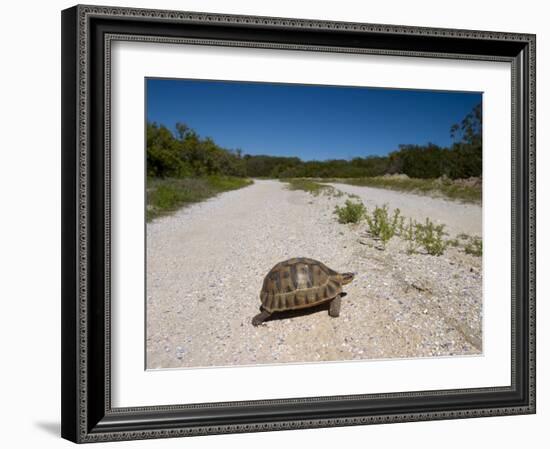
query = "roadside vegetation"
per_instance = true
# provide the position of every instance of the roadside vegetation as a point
(431, 237)
(351, 212)
(183, 168)
(310, 186)
(382, 226)
(468, 191)
(166, 195)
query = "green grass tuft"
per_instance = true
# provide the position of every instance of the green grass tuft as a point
(430, 236)
(351, 212)
(382, 225)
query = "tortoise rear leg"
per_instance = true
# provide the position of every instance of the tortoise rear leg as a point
(334, 310)
(261, 317)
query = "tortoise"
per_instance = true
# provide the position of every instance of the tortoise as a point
(299, 283)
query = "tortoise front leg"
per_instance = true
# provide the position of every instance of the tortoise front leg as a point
(260, 318)
(334, 310)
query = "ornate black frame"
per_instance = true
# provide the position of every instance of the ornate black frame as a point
(87, 32)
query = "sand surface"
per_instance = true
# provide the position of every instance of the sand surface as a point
(206, 264)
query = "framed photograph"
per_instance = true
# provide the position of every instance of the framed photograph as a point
(274, 223)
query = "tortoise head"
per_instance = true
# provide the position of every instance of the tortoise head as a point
(347, 277)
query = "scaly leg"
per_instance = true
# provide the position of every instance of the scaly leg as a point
(334, 310)
(260, 318)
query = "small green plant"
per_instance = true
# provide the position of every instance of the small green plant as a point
(409, 233)
(399, 222)
(351, 212)
(382, 225)
(430, 236)
(474, 246)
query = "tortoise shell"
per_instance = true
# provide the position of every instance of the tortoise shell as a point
(299, 283)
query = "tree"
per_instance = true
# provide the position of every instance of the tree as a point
(182, 129)
(468, 131)
(467, 151)
(184, 153)
(163, 153)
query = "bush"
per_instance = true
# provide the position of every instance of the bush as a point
(409, 233)
(430, 236)
(351, 213)
(382, 226)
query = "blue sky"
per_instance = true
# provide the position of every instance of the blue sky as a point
(311, 122)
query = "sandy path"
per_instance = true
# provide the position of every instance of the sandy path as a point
(457, 217)
(206, 263)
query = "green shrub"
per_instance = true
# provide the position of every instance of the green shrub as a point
(351, 213)
(474, 246)
(382, 225)
(409, 233)
(430, 236)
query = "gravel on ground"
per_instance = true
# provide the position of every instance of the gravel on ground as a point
(206, 264)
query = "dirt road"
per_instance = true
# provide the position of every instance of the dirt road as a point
(206, 263)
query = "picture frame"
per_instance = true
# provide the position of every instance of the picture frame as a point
(87, 411)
